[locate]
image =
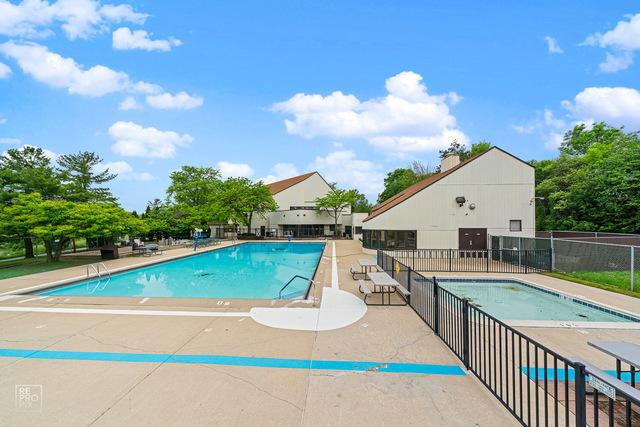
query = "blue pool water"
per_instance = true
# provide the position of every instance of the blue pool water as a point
(514, 300)
(248, 270)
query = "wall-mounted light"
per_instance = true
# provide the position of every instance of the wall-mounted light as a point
(534, 199)
(460, 200)
(472, 206)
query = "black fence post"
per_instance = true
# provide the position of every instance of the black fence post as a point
(409, 279)
(450, 259)
(436, 308)
(581, 395)
(488, 256)
(465, 333)
(526, 262)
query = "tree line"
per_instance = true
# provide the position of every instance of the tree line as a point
(66, 199)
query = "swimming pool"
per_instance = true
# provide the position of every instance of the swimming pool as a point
(247, 270)
(515, 300)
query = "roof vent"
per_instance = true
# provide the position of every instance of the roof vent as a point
(450, 160)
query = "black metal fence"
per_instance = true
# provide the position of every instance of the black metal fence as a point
(537, 385)
(481, 261)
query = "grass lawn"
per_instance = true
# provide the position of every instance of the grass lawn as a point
(614, 281)
(23, 267)
(15, 248)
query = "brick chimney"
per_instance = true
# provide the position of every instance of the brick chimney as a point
(449, 161)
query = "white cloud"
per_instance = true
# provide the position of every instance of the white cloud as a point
(125, 39)
(616, 62)
(133, 140)
(549, 128)
(407, 119)
(343, 167)
(77, 18)
(228, 169)
(5, 71)
(125, 171)
(623, 39)
(129, 103)
(57, 71)
(179, 101)
(146, 88)
(122, 13)
(279, 172)
(553, 46)
(10, 141)
(617, 106)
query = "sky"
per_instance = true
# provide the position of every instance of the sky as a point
(269, 90)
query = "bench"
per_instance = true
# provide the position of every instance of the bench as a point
(362, 287)
(404, 292)
(355, 272)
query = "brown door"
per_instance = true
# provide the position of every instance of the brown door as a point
(472, 239)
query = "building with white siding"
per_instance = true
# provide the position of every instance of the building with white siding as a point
(490, 194)
(297, 214)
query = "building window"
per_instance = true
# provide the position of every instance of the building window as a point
(358, 230)
(389, 239)
(515, 225)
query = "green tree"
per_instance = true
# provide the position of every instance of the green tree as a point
(396, 181)
(478, 148)
(454, 148)
(464, 153)
(46, 219)
(81, 174)
(401, 178)
(193, 191)
(361, 203)
(241, 199)
(594, 184)
(335, 202)
(164, 220)
(27, 170)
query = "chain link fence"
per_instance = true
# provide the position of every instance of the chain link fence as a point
(605, 263)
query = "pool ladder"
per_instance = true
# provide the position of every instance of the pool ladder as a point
(99, 274)
(297, 276)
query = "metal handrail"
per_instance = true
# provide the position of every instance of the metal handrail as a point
(97, 271)
(101, 264)
(291, 280)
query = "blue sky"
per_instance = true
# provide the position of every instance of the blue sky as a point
(272, 89)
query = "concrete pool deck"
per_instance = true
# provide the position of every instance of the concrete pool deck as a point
(118, 368)
(79, 391)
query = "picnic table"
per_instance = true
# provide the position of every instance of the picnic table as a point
(386, 283)
(622, 351)
(366, 264)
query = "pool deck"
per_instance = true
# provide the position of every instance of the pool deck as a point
(118, 369)
(572, 341)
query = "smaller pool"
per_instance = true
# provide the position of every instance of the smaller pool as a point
(515, 300)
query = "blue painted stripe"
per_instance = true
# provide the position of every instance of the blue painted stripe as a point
(531, 373)
(261, 362)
